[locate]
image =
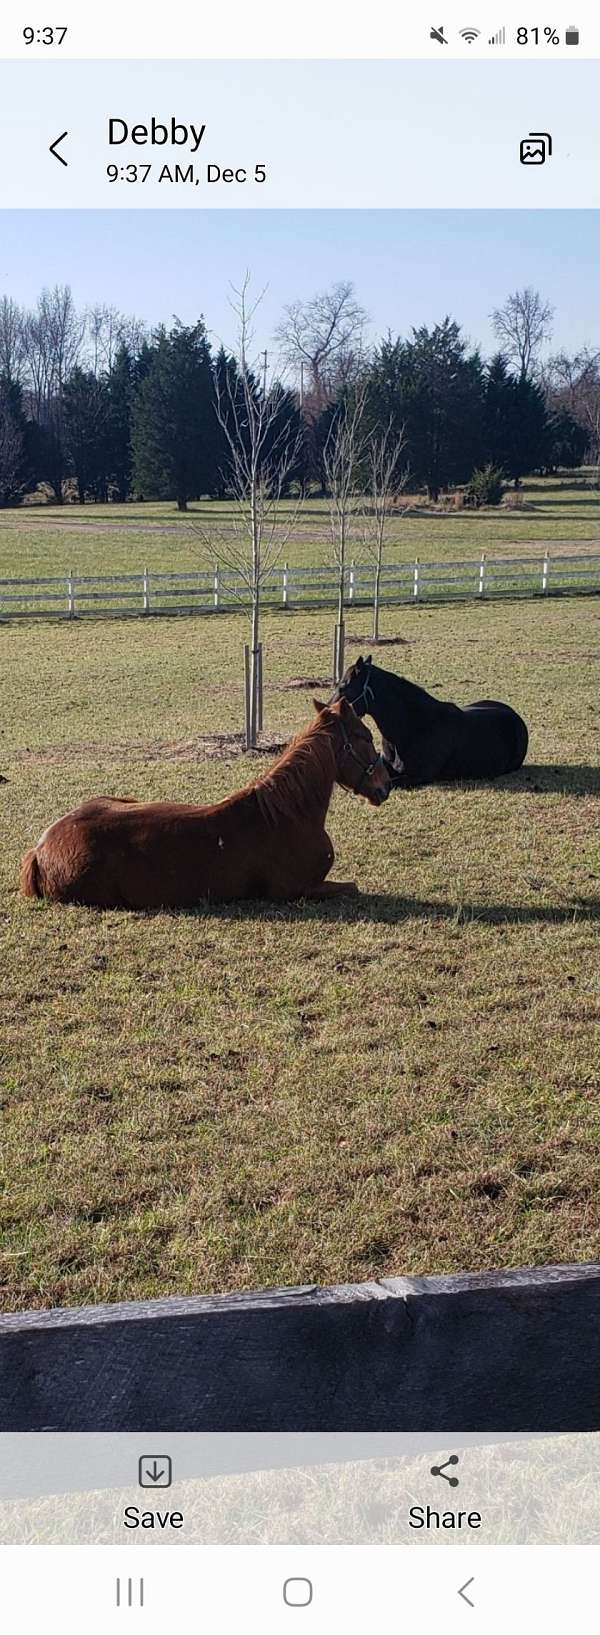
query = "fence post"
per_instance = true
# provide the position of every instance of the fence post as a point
(71, 595)
(545, 574)
(482, 575)
(146, 591)
(284, 585)
(216, 586)
(416, 580)
(351, 582)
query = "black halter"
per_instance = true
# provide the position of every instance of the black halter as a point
(366, 771)
(362, 697)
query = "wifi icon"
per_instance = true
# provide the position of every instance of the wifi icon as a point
(469, 34)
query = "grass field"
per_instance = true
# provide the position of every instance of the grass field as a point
(125, 538)
(407, 1082)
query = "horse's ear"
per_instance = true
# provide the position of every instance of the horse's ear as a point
(369, 660)
(359, 662)
(319, 705)
(345, 708)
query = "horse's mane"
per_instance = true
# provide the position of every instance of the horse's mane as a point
(303, 776)
(400, 685)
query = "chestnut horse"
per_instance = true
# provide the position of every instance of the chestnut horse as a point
(268, 840)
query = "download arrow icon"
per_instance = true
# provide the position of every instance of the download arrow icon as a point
(155, 1470)
(55, 144)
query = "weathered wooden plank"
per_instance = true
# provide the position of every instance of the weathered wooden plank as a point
(499, 1351)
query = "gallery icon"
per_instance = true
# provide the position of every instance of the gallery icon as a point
(536, 148)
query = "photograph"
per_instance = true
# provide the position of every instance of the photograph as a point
(300, 854)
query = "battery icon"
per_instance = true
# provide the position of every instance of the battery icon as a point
(572, 36)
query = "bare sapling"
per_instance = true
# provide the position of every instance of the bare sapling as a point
(342, 462)
(387, 479)
(261, 438)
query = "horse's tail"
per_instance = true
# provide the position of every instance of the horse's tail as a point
(30, 880)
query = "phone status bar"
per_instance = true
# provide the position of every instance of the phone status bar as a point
(267, 31)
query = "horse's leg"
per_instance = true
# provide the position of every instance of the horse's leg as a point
(330, 888)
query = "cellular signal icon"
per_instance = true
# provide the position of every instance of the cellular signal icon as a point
(499, 38)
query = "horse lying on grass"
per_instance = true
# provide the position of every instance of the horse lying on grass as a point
(268, 840)
(427, 741)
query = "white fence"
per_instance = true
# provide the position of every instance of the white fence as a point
(76, 596)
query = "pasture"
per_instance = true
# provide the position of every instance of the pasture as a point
(405, 1082)
(556, 513)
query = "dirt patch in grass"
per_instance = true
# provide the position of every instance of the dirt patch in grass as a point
(382, 641)
(306, 683)
(206, 747)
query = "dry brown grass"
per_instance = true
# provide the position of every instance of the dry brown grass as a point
(259, 1095)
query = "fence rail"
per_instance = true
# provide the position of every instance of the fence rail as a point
(219, 590)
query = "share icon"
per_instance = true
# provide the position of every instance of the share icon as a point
(440, 1470)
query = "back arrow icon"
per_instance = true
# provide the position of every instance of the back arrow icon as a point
(55, 144)
(462, 1592)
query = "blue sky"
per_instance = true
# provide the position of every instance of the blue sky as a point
(408, 267)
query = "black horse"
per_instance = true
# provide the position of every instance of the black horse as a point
(427, 741)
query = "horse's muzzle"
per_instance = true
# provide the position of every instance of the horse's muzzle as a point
(378, 797)
(379, 784)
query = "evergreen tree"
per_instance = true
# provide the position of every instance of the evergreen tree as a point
(229, 402)
(174, 433)
(515, 422)
(18, 445)
(431, 386)
(444, 397)
(121, 386)
(284, 443)
(85, 420)
(568, 441)
(318, 432)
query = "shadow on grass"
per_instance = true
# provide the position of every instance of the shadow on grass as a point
(385, 908)
(539, 780)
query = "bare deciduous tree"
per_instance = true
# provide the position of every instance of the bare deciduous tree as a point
(574, 383)
(106, 329)
(11, 453)
(321, 340)
(342, 456)
(522, 326)
(387, 479)
(12, 347)
(53, 338)
(262, 448)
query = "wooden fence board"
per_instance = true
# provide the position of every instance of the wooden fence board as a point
(513, 1351)
(294, 588)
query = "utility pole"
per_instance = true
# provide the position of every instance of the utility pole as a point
(265, 356)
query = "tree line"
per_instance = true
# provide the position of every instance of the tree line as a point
(97, 407)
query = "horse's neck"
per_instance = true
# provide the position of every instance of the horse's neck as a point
(301, 782)
(391, 693)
